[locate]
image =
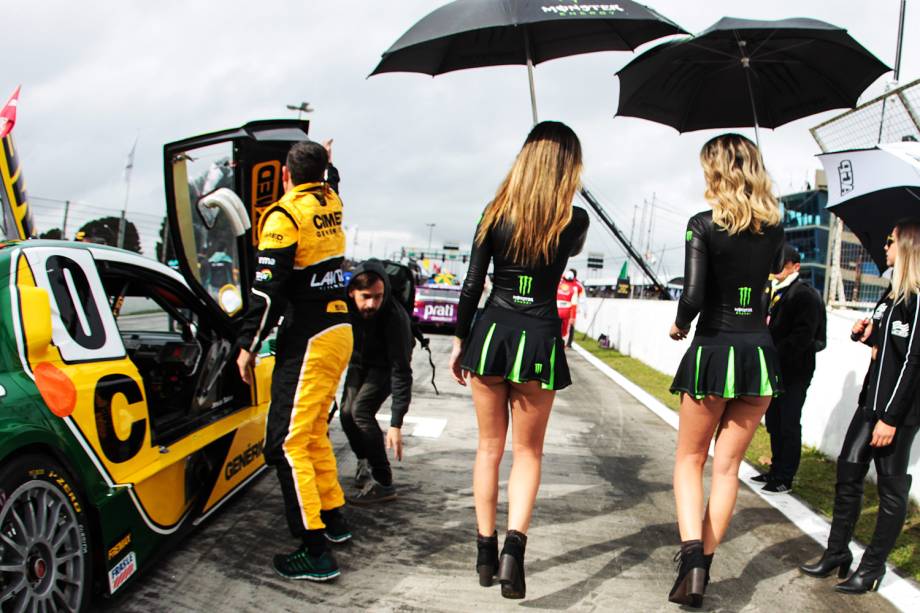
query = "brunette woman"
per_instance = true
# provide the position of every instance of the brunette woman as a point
(514, 357)
(885, 423)
(731, 370)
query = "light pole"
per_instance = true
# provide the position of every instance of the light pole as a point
(430, 228)
(303, 108)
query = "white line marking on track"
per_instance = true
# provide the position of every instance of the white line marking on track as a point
(425, 427)
(900, 592)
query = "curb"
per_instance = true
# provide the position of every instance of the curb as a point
(900, 592)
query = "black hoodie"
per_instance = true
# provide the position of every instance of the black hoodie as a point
(384, 341)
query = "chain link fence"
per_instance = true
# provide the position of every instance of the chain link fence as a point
(853, 280)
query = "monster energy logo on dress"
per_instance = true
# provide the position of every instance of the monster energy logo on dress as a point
(525, 286)
(744, 301)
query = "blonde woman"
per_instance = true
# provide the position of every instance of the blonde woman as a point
(731, 370)
(514, 357)
(885, 423)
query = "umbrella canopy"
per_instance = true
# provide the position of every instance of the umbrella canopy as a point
(747, 73)
(476, 33)
(872, 190)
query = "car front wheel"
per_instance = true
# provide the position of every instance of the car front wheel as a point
(44, 548)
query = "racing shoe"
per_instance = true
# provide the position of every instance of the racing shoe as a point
(373, 493)
(337, 530)
(302, 565)
(362, 473)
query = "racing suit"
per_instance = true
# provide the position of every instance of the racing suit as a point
(567, 297)
(299, 274)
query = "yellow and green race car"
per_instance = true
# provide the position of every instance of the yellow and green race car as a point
(123, 419)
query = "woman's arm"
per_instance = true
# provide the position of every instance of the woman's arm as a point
(905, 389)
(696, 255)
(480, 256)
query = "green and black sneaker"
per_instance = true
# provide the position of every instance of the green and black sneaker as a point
(301, 565)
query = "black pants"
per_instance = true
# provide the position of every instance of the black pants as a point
(784, 423)
(366, 389)
(891, 460)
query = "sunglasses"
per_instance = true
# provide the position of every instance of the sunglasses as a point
(889, 241)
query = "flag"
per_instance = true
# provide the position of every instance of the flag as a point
(129, 164)
(624, 271)
(8, 114)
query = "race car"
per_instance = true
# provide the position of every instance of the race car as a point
(436, 306)
(124, 422)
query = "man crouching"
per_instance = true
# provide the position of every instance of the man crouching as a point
(381, 365)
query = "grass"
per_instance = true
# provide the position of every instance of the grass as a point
(815, 480)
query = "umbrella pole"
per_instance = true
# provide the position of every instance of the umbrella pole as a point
(747, 74)
(533, 91)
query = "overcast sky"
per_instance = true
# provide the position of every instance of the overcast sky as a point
(412, 150)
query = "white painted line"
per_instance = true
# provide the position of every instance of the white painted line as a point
(902, 593)
(425, 427)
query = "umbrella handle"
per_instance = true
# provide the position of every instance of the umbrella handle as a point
(533, 92)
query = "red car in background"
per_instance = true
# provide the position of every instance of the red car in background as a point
(436, 306)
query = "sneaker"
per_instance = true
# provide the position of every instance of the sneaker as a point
(362, 474)
(301, 565)
(776, 487)
(337, 530)
(374, 493)
(762, 478)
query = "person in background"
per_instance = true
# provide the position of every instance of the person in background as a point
(884, 425)
(731, 370)
(380, 365)
(514, 356)
(568, 295)
(796, 320)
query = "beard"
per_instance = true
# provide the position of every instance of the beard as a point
(369, 313)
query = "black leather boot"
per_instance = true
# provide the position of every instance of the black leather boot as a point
(892, 510)
(511, 565)
(691, 575)
(847, 505)
(486, 558)
(707, 557)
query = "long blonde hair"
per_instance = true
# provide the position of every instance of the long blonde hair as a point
(535, 199)
(737, 185)
(905, 279)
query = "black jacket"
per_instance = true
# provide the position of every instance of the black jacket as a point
(724, 275)
(519, 288)
(794, 321)
(385, 341)
(890, 392)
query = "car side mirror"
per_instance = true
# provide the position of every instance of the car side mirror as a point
(36, 308)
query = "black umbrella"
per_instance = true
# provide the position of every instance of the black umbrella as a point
(477, 33)
(745, 73)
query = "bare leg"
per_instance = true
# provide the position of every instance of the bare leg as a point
(736, 429)
(698, 421)
(530, 409)
(490, 398)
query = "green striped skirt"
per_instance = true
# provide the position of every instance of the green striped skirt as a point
(729, 364)
(517, 347)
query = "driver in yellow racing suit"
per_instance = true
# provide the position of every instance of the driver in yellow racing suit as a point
(299, 274)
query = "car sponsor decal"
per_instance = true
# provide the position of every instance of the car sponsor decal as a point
(242, 460)
(122, 572)
(119, 546)
(438, 311)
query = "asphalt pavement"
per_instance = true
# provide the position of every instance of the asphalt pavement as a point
(602, 538)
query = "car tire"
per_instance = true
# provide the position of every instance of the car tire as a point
(45, 550)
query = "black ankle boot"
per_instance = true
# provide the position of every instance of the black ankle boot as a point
(486, 558)
(511, 565)
(848, 495)
(691, 575)
(707, 557)
(893, 494)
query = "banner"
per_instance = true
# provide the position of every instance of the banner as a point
(15, 214)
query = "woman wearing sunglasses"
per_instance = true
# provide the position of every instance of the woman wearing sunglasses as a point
(884, 425)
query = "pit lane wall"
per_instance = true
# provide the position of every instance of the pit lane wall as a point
(639, 328)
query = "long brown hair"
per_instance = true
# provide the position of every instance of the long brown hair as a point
(905, 279)
(737, 185)
(535, 199)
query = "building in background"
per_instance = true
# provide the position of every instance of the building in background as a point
(808, 228)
